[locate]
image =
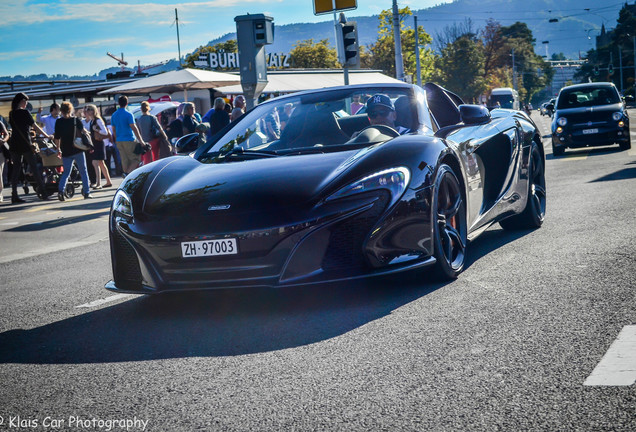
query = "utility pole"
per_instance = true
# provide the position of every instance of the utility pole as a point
(620, 65)
(399, 64)
(176, 16)
(514, 75)
(418, 69)
(634, 39)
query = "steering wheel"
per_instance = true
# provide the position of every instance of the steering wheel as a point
(375, 134)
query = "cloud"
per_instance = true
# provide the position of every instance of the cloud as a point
(23, 12)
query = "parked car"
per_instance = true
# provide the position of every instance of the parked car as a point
(591, 114)
(332, 198)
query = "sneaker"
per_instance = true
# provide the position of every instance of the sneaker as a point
(88, 196)
(61, 196)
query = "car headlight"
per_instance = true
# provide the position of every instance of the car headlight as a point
(617, 116)
(562, 121)
(395, 180)
(122, 205)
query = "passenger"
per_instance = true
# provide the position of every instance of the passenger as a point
(99, 133)
(356, 104)
(152, 132)
(217, 117)
(189, 121)
(124, 131)
(49, 119)
(4, 155)
(65, 132)
(285, 115)
(21, 147)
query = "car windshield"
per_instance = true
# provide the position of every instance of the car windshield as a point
(587, 96)
(505, 100)
(305, 123)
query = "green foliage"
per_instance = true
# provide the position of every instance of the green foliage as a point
(622, 37)
(382, 53)
(460, 68)
(227, 46)
(307, 54)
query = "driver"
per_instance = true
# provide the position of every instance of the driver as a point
(381, 111)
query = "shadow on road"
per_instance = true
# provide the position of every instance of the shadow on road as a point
(41, 226)
(623, 174)
(224, 322)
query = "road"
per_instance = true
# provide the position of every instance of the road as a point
(527, 338)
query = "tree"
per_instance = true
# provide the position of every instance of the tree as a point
(227, 46)
(307, 54)
(532, 72)
(383, 51)
(460, 68)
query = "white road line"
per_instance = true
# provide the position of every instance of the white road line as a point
(96, 238)
(618, 365)
(105, 300)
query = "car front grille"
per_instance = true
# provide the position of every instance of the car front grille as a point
(345, 250)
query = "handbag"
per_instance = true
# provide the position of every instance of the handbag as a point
(82, 140)
(141, 149)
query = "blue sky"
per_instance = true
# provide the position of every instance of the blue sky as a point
(72, 37)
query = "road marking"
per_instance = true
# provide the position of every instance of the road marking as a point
(95, 238)
(105, 300)
(618, 365)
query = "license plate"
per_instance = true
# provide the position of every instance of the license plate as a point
(206, 248)
(590, 131)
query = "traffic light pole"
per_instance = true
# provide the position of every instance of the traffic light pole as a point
(337, 29)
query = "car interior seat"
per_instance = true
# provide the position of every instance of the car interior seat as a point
(405, 112)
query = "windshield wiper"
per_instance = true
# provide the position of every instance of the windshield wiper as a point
(241, 153)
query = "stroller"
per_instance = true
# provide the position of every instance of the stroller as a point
(52, 170)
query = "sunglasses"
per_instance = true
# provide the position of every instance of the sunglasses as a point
(379, 113)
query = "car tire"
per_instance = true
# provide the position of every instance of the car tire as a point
(533, 214)
(557, 150)
(626, 145)
(449, 224)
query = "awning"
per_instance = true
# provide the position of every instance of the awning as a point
(290, 82)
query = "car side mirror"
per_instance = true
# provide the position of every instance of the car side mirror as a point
(474, 114)
(187, 143)
(549, 107)
(629, 98)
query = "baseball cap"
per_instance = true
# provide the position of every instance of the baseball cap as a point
(379, 100)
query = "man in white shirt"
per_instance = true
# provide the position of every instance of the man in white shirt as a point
(50, 119)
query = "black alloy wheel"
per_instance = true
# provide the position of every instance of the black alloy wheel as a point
(534, 213)
(449, 224)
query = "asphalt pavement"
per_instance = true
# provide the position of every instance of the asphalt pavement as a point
(509, 345)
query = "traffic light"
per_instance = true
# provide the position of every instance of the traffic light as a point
(610, 69)
(596, 70)
(349, 55)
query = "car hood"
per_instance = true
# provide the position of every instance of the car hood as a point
(599, 112)
(187, 185)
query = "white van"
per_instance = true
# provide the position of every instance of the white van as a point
(503, 97)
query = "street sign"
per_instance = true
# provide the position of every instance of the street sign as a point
(327, 6)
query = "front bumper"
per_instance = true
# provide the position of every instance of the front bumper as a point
(361, 241)
(576, 138)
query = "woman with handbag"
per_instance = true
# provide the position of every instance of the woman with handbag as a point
(4, 155)
(98, 134)
(67, 128)
(21, 146)
(152, 133)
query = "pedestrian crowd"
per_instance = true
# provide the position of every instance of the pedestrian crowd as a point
(125, 143)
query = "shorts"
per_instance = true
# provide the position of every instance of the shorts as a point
(127, 153)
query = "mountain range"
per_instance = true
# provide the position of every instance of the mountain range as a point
(566, 26)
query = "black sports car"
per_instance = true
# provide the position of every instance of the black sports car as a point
(590, 114)
(310, 204)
